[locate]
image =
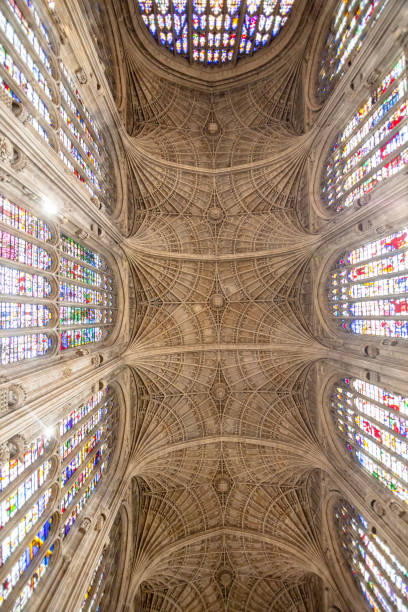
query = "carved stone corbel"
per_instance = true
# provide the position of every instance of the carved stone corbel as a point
(85, 525)
(6, 149)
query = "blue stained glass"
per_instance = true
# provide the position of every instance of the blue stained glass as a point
(217, 23)
(368, 294)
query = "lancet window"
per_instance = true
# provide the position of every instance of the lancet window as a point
(214, 31)
(350, 26)
(29, 283)
(373, 422)
(32, 75)
(378, 572)
(59, 471)
(99, 593)
(373, 144)
(369, 287)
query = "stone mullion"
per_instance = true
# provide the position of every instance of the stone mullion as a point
(36, 561)
(17, 552)
(75, 121)
(74, 476)
(382, 571)
(243, 10)
(81, 110)
(77, 449)
(95, 587)
(10, 525)
(83, 420)
(46, 72)
(32, 80)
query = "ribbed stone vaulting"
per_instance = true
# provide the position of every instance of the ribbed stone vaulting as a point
(226, 459)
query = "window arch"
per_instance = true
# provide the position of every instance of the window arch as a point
(351, 23)
(214, 32)
(34, 77)
(373, 423)
(39, 297)
(62, 472)
(368, 292)
(377, 570)
(373, 144)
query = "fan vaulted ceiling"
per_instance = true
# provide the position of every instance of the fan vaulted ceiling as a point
(226, 456)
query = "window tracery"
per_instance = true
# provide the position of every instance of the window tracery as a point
(373, 423)
(33, 76)
(373, 144)
(378, 572)
(214, 31)
(351, 23)
(106, 567)
(28, 301)
(32, 487)
(369, 287)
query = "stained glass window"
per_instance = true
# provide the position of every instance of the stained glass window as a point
(380, 575)
(92, 286)
(19, 283)
(108, 563)
(369, 287)
(214, 31)
(30, 483)
(17, 217)
(86, 442)
(85, 287)
(82, 148)
(351, 23)
(27, 57)
(14, 248)
(15, 316)
(373, 145)
(27, 346)
(25, 496)
(373, 423)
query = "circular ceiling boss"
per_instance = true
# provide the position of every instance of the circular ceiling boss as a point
(214, 32)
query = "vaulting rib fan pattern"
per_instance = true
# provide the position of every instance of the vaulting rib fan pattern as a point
(226, 458)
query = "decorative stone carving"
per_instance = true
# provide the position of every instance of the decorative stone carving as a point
(219, 391)
(6, 149)
(81, 76)
(364, 200)
(225, 576)
(96, 202)
(4, 453)
(19, 161)
(378, 507)
(100, 521)
(16, 396)
(215, 214)
(96, 360)
(212, 128)
(371, 351)
(82, 234)
(17, 445)
(217, 300)
(222, 483)
(67, 372)
(85, 525)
